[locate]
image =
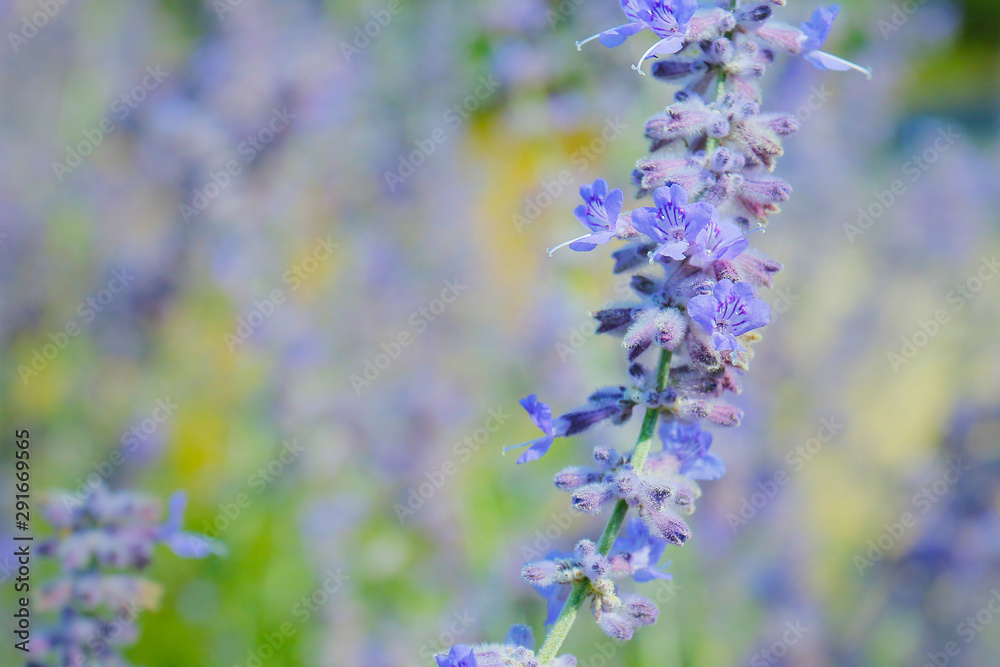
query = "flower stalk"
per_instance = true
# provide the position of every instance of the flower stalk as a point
(709, 172)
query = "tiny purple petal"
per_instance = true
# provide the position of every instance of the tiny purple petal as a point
(539, 412)
(536, 450)
(817, 28)
(616, 36)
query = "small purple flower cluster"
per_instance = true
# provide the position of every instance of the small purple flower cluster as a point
(635, 554)
(710, 176)
(97, 608)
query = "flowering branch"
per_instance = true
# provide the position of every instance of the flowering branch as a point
(709, 174)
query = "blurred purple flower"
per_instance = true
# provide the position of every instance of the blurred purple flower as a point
(637, 551)
(690, 444)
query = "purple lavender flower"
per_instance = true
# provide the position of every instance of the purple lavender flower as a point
(636, 552)
(599, 213)
(668, 19)
(673, 224)
(730, 311)
(718, 240)
(460, 655)
(814, 34)
(610, 403)
(689, 444)
(541, 415)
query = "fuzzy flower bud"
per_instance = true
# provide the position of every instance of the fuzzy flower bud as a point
(573, 477)
(591, 498)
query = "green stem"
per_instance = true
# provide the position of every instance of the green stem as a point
(557, 635)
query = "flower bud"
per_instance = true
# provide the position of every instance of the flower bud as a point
(676, 68)
(639, 610)
(591, 498)
(541, 573)
(667, 525)
(756, 268)
(616, 626)
(607, 457)
(611, 319)
(626, 485)
(724, 414)
(643, 285)
(766, 189)
(757, 14)
(573, 477)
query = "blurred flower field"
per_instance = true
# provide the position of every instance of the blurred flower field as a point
(289, 258)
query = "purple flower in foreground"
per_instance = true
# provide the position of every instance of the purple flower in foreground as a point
(718, 240)
(460, 655)
(541, 415)
(673, 224)
(814, 34)
(637, 551)
(668, 19)
(689, 444)
(599, 213)
(730, 311)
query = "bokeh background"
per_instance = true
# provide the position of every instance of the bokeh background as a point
(256, 312)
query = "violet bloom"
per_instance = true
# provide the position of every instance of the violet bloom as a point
(673, 224)
(637, 551)
(541, 415)
(689, 444)
(718, 240)
(814, 34)
(730, 311)
(599, 213)
(668, 19)
(460, 655)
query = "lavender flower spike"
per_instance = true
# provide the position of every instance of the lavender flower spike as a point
(730, 311)
(814, 34)
(712, 152)
(599, 213)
